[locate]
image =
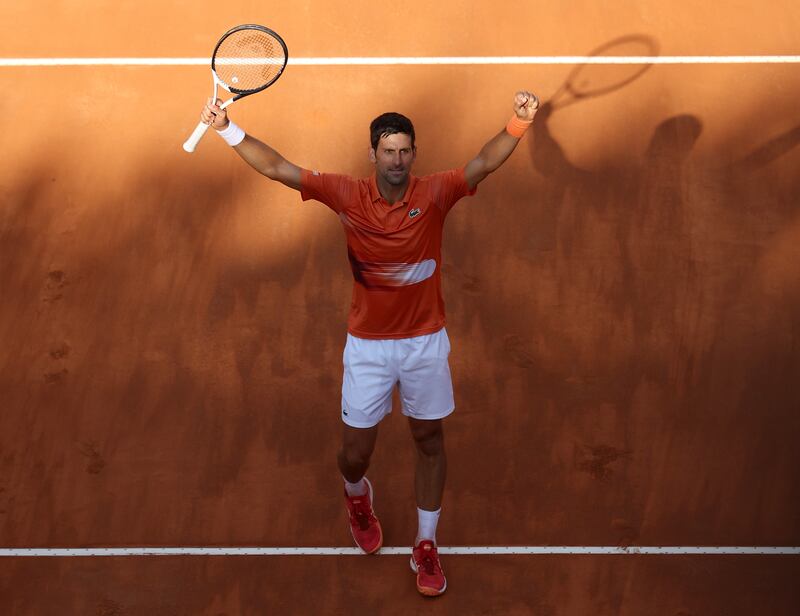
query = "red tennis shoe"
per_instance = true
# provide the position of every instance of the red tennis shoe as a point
(430, 575)
(364, 526)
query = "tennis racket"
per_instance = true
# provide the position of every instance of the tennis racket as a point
(246, 60)
(609, 67)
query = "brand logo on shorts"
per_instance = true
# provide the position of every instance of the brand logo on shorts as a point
(344, 412)
(415, 212)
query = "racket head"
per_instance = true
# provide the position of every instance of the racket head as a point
(248, 59)
(601, 74)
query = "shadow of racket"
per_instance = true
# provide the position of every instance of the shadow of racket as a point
(609, 67)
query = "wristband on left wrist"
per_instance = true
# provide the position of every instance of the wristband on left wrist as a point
(516, 127)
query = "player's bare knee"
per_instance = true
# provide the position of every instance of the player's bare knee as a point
(354, 458)
(357, 447)
(428, 437)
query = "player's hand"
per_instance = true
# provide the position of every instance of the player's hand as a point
(525, 105)
(213, 115)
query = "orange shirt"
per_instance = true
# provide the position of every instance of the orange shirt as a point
(394, 250)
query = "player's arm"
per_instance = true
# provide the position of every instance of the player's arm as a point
(499, 147)
(258, 155)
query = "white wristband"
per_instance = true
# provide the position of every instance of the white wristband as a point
(232, 134)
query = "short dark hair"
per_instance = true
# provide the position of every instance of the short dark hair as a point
(389, 124)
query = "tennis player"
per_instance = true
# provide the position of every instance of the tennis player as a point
(396, 328)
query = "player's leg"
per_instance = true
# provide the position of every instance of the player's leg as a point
(366, 399)
(355, 454)
(426, 391)
(431, 465)
(429, 478)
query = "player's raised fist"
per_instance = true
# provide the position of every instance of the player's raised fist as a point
(214, 115)
(525, 105)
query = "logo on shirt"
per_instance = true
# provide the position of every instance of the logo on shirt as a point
(414, 213)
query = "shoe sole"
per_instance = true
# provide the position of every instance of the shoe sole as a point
(424, 590)
(380, 541)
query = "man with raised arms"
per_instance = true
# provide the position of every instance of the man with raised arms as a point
(393, 224)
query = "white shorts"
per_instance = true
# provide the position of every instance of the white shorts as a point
(418, 366)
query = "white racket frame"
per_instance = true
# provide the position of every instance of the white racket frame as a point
(191, 143)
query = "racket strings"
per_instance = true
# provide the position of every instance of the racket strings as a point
(248, 60)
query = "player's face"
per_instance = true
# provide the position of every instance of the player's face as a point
(393, 158)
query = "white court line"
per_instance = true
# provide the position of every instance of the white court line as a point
(388, 61)
(391, 551)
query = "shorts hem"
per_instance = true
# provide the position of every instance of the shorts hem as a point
(431, 417)
(360, 424)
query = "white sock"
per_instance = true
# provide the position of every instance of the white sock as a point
(427, 525)
(359, 488)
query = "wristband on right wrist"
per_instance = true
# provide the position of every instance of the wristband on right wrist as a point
(232, 134)
(516, 127)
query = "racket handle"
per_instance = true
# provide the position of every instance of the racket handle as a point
(195, 137)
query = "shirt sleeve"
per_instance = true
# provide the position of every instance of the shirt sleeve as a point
(329, 188)
(450, 187)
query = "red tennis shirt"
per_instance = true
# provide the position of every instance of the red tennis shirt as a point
(395, 250)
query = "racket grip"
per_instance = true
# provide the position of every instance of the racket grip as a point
(195, 137)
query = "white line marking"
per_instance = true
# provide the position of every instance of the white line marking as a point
(549, 60)
(391, 551)
(388, 61)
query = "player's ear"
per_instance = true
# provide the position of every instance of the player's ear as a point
(372, 157)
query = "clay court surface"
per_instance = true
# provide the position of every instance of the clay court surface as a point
(623, 302)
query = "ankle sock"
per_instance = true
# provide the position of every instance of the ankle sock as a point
(427, 524)
(355, 489)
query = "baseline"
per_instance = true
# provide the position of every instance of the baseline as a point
(391, 551)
